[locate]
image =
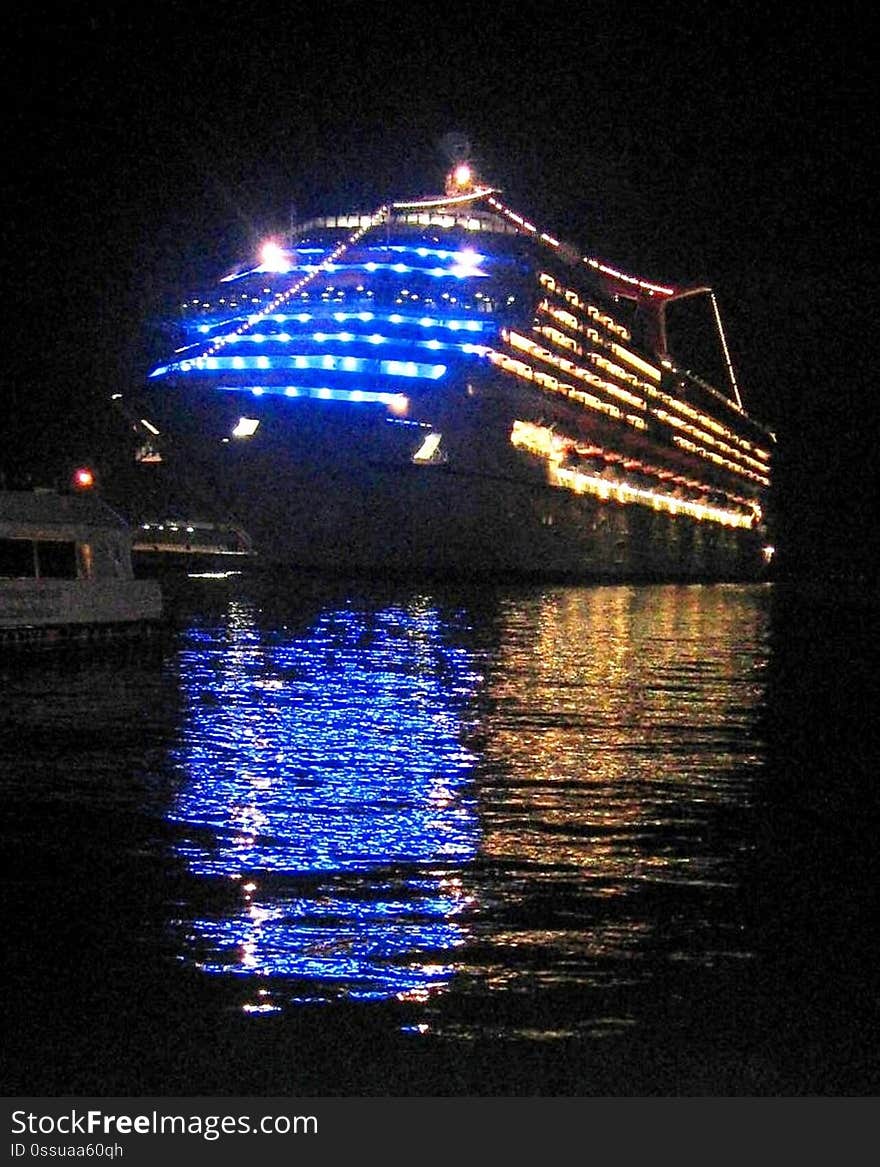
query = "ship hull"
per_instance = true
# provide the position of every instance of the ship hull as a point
(351, 514)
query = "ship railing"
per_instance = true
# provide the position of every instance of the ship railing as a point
(686, 376)
(468, 221)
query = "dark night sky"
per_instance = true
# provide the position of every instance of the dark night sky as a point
(149, 146)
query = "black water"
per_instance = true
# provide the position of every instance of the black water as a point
(328, 839)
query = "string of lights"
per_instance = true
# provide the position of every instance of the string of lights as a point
(281, 298)
(569, 320)
(556, 448)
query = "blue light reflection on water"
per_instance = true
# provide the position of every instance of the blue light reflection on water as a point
(309, 760)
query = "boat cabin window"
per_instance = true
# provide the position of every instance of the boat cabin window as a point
(57, 560)
(17, 559)
(49, 559)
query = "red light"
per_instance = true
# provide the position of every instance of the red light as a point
(83, 478)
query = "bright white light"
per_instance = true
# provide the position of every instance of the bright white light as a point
(462, 174)
(467, 264)
(274, 258)
(428, 448)
(246, 427)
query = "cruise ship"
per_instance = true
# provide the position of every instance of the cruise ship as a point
(439, 386)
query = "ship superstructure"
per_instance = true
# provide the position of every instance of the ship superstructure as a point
(439, 385)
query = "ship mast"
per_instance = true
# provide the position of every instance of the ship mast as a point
(725, 350)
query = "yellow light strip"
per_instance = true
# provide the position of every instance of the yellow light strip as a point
(553, 448)
(526, 373)
(616, 371)
(644, 285)
(561, 339)
(711, 456)
(636, 362)
(561, 446)
(570, 320)
(677, 423)
(573, 298)
(607, 322)
(517, 340)
(567, 318)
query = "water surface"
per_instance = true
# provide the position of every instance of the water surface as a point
(333, 839)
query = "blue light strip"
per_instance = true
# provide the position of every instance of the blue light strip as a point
(398, 318)
(467, 348)
(394, 318)
(336, 364)
(440, 253)
(352, 338)
(465, 262)
(461, 271)
(321, 393)
(458, 324)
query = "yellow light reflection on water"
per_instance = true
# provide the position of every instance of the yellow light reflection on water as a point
(615, 708)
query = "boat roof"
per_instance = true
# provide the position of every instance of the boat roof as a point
(32, 513)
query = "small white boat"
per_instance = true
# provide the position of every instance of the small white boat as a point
(65, 571)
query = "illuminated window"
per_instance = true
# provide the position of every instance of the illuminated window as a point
(246, 427)
(429, 450)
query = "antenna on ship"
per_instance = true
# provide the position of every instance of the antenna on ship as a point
(727, 359)
(663, 349)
